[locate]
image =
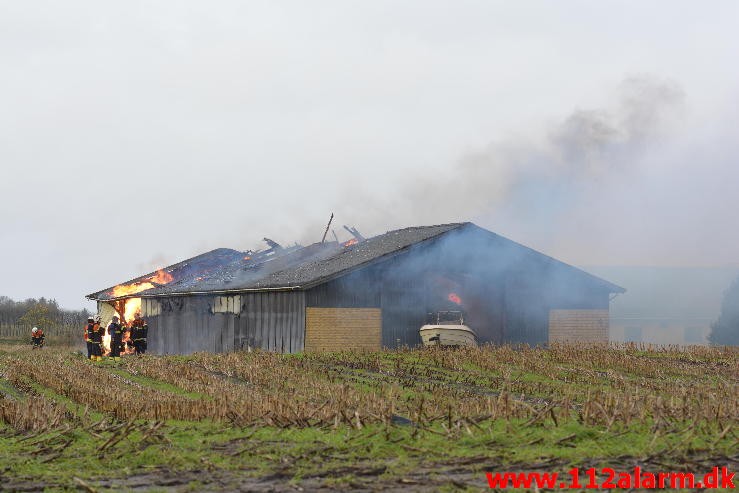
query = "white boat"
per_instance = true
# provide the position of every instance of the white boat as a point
(448, 335)
(448, 330)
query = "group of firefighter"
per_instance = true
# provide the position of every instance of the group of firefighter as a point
(94, 332)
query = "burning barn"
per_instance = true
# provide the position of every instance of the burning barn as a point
(364, 293)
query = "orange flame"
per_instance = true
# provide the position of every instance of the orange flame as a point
(351, 242)
(132, 306)
(127, 348)
(162, 277)
(454, 298)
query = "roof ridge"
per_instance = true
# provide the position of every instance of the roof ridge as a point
(423, 227)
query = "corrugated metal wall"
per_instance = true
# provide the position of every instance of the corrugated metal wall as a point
(404, 309)
(273, 321)
(359, 289)
(187, 324)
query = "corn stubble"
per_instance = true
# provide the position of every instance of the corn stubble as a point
(665, 388)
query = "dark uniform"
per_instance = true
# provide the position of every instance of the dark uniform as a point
(139, 341)
(116, 339)
(135, 333)
(95, 339)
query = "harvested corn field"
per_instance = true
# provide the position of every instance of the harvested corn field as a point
(405, 419)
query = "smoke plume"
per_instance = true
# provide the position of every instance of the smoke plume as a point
(598, 185)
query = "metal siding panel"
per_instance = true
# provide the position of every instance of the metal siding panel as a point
(285, 326)
(301, 323)
(264, 304)
(254, 327)
(263, 320)
(275, 319)
(211, 326)
(169, 333)
(215, 327)
(259, 320)
(228, 339)
(179, 338)
(271, 320)
(251, 328)
(279, 320)
(267, 315)
(288, 329)
(293, 321)
(152, 342)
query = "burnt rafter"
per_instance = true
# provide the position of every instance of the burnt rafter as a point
(272, 243)
(354, 232)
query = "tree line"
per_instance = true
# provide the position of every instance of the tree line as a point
(42, 312)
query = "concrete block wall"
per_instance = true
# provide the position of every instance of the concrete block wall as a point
(578, 326)
(337, 329)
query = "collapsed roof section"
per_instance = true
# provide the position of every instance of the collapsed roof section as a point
(189, 268)
(224, 270)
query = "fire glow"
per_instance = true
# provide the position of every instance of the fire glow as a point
(127, 308)
(454, 298)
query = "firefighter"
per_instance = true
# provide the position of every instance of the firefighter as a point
(142, 334)
(37, 338)
(97, 323)
(136, 326)
(115, 331)
(88, 335)
(95, 337)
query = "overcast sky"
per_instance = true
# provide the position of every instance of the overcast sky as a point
(136, 134)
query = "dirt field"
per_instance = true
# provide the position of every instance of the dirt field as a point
(411, 420)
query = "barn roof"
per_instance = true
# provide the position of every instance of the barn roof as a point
(187, 268)
(304, 267)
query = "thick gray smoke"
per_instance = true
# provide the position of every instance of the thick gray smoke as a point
(537, 177)
(612, 182)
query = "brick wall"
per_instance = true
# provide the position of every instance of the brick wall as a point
(578, 326)
(336, 329)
